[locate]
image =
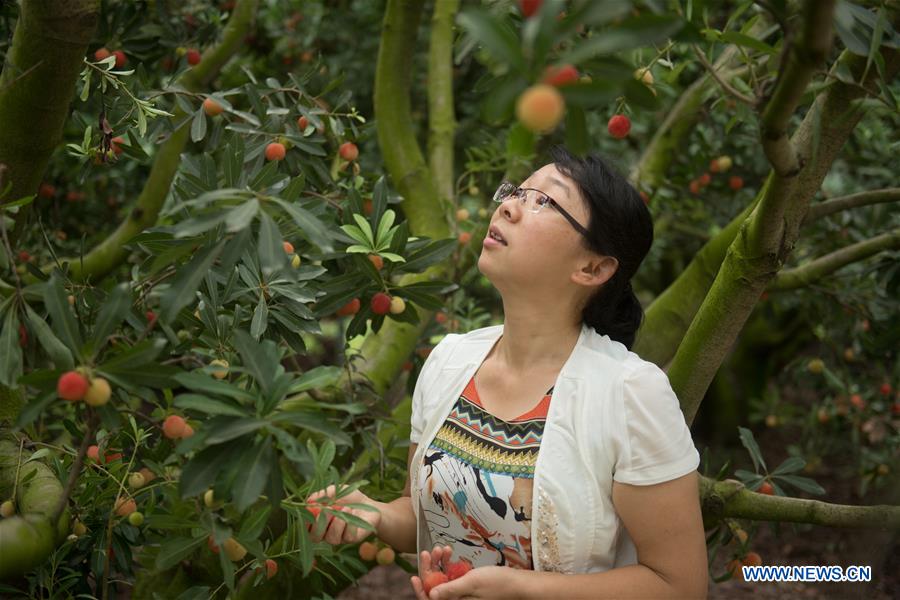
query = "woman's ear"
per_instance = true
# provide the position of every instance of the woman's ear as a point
(598, 271)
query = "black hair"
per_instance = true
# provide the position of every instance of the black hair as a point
(620, 226)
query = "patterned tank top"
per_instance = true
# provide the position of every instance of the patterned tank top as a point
(476, 482)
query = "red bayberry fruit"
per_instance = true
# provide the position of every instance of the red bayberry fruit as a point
(302, 123)
(694, 186)
(114, 144)
(46, 190)
(560, 75)
(528, 8)
(173, 427)
(121, 59)
(351, 308)
(348, 151)
(735, 182)
(857, 401)
(766, 488)
(101, 54)
(271, 568)
(381, 303)
(457, 569)
(24, 256)
(885, 389)
(432, 580)
(212, 107)
(619, 126)
(705, 179)
(93, 453)
(72, 386)
(193, 56)
(275, 151)
(151, 316)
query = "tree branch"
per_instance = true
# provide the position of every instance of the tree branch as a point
(804, 275)
(731, 499)
(765, 240)
(828, 207)
(727, 87)
(110, 253)
(441, 119)
(36, 87)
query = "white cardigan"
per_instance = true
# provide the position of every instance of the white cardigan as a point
(613, 416)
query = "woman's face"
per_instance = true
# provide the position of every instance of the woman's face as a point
(543, 250)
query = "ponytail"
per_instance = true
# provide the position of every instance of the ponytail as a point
(615, 311)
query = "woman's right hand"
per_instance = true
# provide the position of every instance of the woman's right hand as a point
(339, 531)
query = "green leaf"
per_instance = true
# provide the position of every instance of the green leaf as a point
(200, 382)
(316, 378)
(111, 315)
(357, 234)
(183, 288)
(495, 35)
(210, 406)
(222, 429)
(200, 472)
(61, 313)
(55, 349)
(260, 318)
(794, 463)
(642, 31)
(254, 469)
(261, 359)
(253, 525)
(366, 228)
(138, 355)
(174, 551)
(270, 250)
(313, 421)
(750, 444)
(735, 37)
(384, 225)
(309, 223)
(241, 216)
(803, 483)
(10, 351)
(434, 252)
(198, 126)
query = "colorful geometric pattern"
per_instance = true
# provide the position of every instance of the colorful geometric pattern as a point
(477, 482)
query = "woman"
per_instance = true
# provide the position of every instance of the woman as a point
(544, 444)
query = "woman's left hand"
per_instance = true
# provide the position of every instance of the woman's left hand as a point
(487, 583)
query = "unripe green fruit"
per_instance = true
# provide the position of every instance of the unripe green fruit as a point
(98, 393)
(78, 528)
(397, 305)
(7, 509)
(136, 519)
(209, 498)
(816, 365)
(136, 481)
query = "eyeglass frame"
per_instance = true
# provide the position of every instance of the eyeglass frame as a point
(500, 199)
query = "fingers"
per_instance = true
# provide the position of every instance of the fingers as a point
(424, 562)
(418, 588)
(327, 492)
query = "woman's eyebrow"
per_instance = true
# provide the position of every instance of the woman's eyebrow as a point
(560, 184)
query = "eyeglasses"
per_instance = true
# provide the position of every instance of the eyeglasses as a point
(538, 200)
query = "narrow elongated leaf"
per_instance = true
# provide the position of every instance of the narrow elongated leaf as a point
(750, 444)
(174, 551)
(10, 351)
(317, 377)
(184, 286)
(111, 315)
(309, 223)
(198, 126)
(261, 359)
(200, 472)
(254, 468)
(643, 31)
(223, 430)
(138, 355)
(494, 34)
(260, 318)
(64, 323)
(200, 382)
(792, 464)
(210, 406)
(433, 253)
(270, 250)
(241, 216)
(803, 483)
(55, 349)
(253, 525)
